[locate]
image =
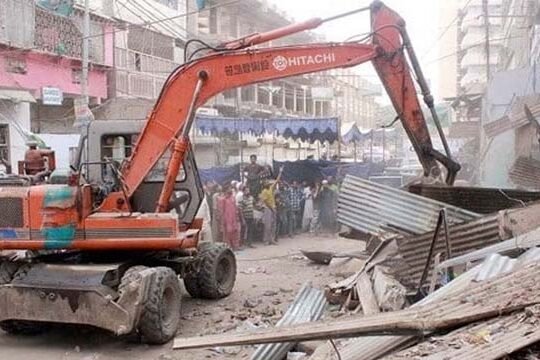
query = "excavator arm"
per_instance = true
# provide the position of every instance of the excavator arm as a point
(193, 83)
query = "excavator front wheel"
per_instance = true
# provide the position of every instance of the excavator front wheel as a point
(160, 317)
(217, 273)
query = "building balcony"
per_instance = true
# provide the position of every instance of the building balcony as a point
(29, 26)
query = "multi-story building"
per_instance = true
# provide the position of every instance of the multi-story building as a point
(473, 47)
(40, 69)
(149, 42)
(355, 98)
(287, 97)
(520, 34)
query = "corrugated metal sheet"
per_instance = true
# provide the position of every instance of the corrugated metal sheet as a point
(374, 208)
(464, 238)
(479, 200)
(507, 123)
(524, 241)
(526, 173)
(308, 306)
(373, 347)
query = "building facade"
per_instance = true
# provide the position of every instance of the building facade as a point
(40, 70)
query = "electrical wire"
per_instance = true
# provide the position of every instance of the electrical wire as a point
(482, 43)
(444, 32)
(147, 23)
(335, 348)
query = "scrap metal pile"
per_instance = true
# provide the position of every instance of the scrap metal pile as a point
(444, 282)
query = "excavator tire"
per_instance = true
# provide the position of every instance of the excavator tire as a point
(160, 317)
(17, 327)
(217, 273)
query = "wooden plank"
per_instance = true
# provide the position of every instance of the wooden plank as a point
(501, 296)
(366, 295)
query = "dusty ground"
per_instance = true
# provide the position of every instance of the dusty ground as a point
(268, 279)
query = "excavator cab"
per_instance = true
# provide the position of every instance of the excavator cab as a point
(110, 143)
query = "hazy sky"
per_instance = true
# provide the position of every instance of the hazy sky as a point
(422, 18)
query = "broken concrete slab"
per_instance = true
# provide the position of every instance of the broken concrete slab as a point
(390, 294)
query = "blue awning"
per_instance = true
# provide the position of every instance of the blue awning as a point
(356, 135)
(305, 129)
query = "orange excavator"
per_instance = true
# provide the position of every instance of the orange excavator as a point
(105, 248)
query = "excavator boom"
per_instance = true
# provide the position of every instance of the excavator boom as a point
(193, 83)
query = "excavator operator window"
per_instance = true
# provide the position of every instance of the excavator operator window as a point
(116, 148)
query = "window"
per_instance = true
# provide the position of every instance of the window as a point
(119, 147)
(115, 148)
(4, 142)
(16, 65)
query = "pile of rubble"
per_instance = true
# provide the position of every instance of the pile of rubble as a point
(440, 281)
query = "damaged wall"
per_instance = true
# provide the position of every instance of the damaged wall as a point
(499, 153)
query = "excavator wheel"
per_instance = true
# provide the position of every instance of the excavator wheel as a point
(160, 317)
(217, 273)
(17, 327)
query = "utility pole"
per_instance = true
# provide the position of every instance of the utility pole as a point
(486, 27)
(86, 33)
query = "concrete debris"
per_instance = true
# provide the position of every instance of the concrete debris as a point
(502, 296)
(390, 294)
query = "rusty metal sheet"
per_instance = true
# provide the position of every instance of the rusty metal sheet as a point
(375, 209)
(465, 238)
(479, 200)
(525, 173)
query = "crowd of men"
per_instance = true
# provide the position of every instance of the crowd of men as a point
(267, 208)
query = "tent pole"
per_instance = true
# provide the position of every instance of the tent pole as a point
(339, 138)
(273, 145)
(371, 147)
(355, 153)
(384, 145)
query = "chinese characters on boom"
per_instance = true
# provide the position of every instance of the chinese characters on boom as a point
(246, 68)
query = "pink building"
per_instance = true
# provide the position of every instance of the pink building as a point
(40, 71)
